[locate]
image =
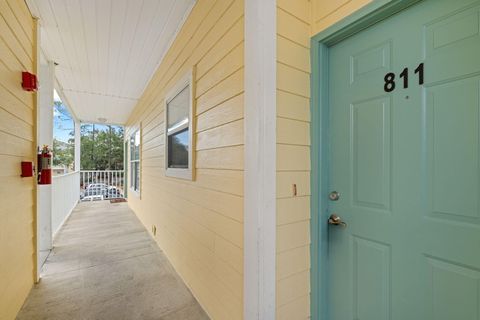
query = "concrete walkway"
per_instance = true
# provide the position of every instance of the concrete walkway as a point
(105, 266)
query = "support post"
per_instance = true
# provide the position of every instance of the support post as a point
(260, 160)
(77, 146)
(44, 137)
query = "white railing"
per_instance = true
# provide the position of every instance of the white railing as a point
(101, 184)
(65, 194)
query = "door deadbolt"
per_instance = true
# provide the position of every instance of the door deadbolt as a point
(334, 196)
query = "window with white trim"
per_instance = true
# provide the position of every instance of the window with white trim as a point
(178, 130)
(135, 161)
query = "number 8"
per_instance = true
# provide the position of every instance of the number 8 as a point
(389, 82)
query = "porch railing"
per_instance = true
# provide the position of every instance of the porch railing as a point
(65, 194)
(101, 184)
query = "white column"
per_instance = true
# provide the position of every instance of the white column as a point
(260, 160)
(77, 145)
(44, 137)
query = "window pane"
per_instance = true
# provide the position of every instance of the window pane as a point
(178, 149)
(137, 176)
(132, 147)
(132, 174)
(178, 108)
(135, 146)
(137, 153)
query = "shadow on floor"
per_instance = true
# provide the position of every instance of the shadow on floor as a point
(104, 265)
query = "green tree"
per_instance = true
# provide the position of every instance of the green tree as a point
(101, 149)
(63, 151)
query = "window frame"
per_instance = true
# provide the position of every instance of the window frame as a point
(181, 173)
(131, 185)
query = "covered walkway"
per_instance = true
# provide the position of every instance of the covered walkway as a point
(104, 265)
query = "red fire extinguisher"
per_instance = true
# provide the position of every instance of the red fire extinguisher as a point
(45, 166)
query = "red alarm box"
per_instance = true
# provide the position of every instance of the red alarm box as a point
(27, 169)
(29, 81)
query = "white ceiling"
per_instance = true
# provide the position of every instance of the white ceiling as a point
(106, 50)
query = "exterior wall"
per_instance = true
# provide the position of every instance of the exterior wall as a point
(17, 143)
(200, 223)
(297, 21)
(327, 12)
(293, 159)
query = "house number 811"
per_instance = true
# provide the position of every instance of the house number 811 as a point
(390, 78)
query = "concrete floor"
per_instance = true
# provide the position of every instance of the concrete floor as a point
(104, 265)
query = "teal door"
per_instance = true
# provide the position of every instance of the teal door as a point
(404, 159)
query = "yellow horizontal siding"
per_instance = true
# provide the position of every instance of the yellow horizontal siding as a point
(293, 80)
(226, 181)
(293, 132)
(232, 62)
(15, 126)
(226, 204)
(212, 40)
(25, 39)
(293, 261)
(297, 21)
(293, 28)
(223, 158)
(226, 89)
(15, 106)
(200, 223)
(226, 42)
(293, 235)
(298, 9)
(293, 54)
(286, 180)
(228, 111)
(17, 139)
(12, 77)
(293, 209)
(230, 134)
(13, 41)
(23, 15)
(292, 288)
(292, 106)
(327, 12)
(293, 159)
(298, 309)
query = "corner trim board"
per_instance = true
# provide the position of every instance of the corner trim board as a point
(260, 160)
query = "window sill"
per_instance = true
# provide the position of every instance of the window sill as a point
(134, 192)
(185, 174)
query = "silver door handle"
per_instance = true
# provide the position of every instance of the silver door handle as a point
(336, 221)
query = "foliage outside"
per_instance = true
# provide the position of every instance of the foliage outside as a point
(101, 147)
(63, 151)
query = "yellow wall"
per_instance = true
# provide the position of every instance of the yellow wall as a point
(327, 12)
(200, 223)
(17, 140)
(293, 159)
(297, 21)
